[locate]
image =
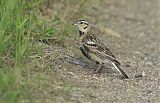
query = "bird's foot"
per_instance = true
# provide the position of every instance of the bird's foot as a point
(98, 70)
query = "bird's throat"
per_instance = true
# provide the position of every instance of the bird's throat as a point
(80, 33)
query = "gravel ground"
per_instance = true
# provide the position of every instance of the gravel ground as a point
(136, 46)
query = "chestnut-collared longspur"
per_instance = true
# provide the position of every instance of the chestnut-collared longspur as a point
(93, 49)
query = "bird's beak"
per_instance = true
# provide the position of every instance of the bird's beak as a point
(74, 24)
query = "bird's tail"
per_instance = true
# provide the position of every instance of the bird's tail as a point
(117, 66)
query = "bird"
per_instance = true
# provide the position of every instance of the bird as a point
(94, 49)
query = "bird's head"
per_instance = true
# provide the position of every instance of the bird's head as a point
(82, 26)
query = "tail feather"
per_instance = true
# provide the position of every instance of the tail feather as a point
(119, 69)
(116, 62)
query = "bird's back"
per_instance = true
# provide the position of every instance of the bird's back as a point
(96, 49)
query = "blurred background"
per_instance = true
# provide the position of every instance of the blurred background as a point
(34, 34)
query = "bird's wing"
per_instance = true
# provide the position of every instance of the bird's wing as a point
(84, 51)
(93, 43)
(98, 49)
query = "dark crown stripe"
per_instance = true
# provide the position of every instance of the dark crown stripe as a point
(83, 21)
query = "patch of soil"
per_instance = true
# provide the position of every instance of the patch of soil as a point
(137, 48)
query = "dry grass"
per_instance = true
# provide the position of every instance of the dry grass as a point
(24, 52)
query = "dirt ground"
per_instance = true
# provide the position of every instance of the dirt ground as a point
(136, 45)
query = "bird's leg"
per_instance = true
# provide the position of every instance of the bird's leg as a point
(99, 68)
(97, 64)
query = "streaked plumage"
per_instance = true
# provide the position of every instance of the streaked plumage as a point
(94, 49)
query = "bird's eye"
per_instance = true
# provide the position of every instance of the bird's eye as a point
(81, 23)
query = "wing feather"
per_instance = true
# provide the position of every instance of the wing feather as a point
(95, 45)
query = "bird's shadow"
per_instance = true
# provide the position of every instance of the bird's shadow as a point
(87, 65)
(90, 66)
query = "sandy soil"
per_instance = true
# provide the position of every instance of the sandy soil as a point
(136, 45)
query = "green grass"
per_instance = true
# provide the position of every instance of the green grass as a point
(22, 23)
(14, 26)
(8, 90)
